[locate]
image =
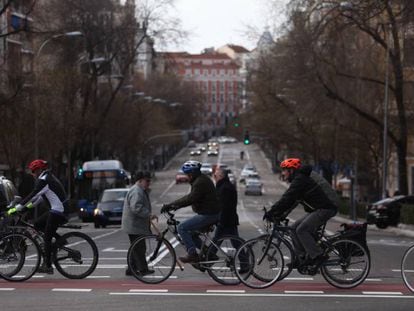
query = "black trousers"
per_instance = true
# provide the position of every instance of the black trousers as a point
(48, 223)
(140, 262)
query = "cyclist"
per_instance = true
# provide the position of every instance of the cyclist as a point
(204, 202)
(49, 189)
(305, 190)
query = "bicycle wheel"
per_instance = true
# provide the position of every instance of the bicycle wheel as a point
(285, 246)
(407, 268)
(75, 255)
(348, 264)
(19, 257)
(151, 259)
(258, 265)
(220, 260)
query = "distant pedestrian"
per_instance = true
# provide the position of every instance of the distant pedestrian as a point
(136, 219)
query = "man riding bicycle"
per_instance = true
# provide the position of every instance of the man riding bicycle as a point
(314, 195)
(203, 199)
(49, 189)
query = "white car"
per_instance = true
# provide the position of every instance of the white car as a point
(206, 168)
(195, 152)
(253, 187)
(246, 173)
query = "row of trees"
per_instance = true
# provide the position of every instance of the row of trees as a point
(81, 101)
(320, 91)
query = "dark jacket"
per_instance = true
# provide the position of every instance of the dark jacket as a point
(202, 197)
(305, 190)
(227, 196)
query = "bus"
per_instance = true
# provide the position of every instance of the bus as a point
(92, 179)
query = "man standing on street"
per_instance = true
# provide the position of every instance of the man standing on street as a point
(136, 218)
(227, 196)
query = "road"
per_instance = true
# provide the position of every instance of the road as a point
(109, 289)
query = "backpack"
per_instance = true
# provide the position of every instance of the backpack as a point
(326, 187)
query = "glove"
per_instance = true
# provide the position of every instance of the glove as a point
(15, 209)
(165, 208)
(268, 215)
(19, 207)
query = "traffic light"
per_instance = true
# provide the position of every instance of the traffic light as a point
(236, 122)
(246, 138)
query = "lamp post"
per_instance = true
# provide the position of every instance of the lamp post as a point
(37, 108)
(385, 133)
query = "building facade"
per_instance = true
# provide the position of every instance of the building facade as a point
(217, 76)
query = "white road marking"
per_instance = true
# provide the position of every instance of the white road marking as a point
(266, 295)
(225, 291)
(113, 250)
(304, 292)
(148, 290)
(75, 290)
(6, 289)
(98, 277)
(382, 293)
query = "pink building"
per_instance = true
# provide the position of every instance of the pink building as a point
(218, 78)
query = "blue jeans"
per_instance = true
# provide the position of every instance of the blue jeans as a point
(194, 223)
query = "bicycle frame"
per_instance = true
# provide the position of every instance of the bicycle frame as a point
(172, 228)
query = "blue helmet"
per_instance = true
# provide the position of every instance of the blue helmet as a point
(191, 167)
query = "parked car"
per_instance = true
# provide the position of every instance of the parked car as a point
(109, 208)
(180, 177)
(386, 212)
(206, 168)
(253, 187)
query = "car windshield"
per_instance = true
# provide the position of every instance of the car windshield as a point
(109, 196)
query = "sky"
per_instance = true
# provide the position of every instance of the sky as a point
(214, 23)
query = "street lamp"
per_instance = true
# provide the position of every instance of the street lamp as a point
(37, 108)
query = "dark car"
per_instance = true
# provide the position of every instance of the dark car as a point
(386, 212)
(110, 207)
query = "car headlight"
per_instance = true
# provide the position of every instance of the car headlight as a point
(97, 212)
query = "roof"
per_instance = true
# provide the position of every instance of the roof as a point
(238, 48)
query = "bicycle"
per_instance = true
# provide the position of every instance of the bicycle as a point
(216, 257)
(407, 268)
(347, 265)
(74, 254)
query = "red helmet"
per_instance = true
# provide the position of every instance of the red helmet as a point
(290, 163)
(36, 164)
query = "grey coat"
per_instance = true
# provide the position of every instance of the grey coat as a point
(137, 211)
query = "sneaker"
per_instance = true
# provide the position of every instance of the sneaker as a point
(45, 269)
(189, 258)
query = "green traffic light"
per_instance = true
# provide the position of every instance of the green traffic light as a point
(236, 124)
(246, 141)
